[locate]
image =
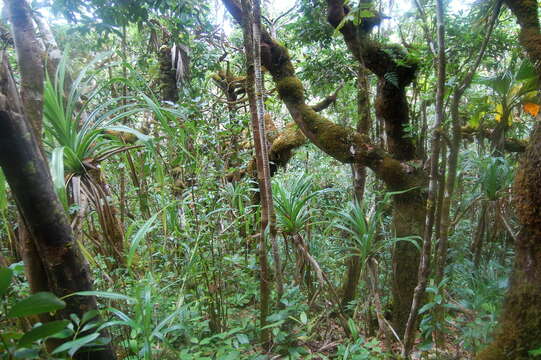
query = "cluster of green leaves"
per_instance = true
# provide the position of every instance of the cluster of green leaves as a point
(75, 335)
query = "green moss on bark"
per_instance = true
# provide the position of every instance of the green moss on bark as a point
(291, 89)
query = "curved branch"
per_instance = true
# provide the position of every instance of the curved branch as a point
(393, 67)
(510, 144)
(341, 142)
(328, 101)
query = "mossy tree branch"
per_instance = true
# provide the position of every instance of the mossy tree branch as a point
(394, 69)
(510, 144)
(328, 101)
(341, 142)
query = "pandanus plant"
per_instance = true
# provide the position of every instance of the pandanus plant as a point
(515, 86)
(77, 136)
(292, 205)
(362, 226)
(496, 177)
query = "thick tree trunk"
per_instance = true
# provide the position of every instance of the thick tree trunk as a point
(32, 76)
(28, 176)
(520, 323)
(408, 219)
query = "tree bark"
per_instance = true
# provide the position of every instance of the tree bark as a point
(30, 61)
(254, 89)
(28, 176)
(168, 76)
(353, 272)
(454, 149)
(519, 329)
(424, 266)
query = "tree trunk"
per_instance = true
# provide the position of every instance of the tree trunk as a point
(168, 76)
(254, 88)
(426, 253)
(520, 323)
(353, 273)
(348, 145)
(408, 219)
(28, 176)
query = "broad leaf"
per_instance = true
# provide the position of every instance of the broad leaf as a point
(39, 303)
(72, 346)
(42, 332)
(5, 279)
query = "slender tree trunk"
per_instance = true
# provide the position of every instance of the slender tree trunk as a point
(454, 149)
(251, 26)
(480, 234)
(353, 264)
(424, 265)
(384, 327)
(440, 193)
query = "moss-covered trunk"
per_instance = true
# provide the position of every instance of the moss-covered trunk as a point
(519, 330)
(520, 323)
(408, 220)
(168, 76)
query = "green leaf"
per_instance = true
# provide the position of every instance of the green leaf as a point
(304, 318)
(5, 279)
(89, 315)
(242, 339)
(105, 294)
(72, 346)
(38, 303)
(26, 354)
(391, 77)
(426, 307)
(141, 233)
(129, 130)
(366, 14)
(42, 332)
